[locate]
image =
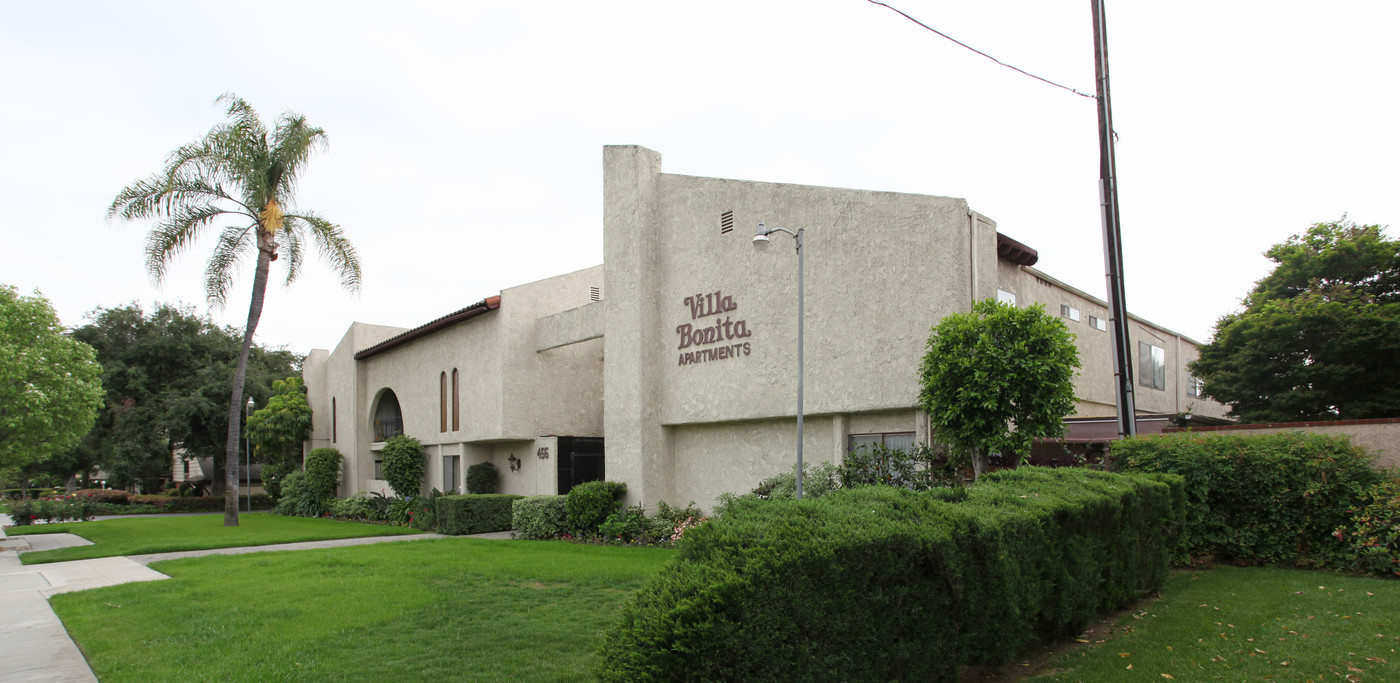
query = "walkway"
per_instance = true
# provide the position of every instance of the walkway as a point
(34, 645)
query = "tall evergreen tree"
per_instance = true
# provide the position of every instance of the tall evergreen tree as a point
(238, 172)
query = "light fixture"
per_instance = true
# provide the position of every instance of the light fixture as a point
(514, 462)
(760, 244)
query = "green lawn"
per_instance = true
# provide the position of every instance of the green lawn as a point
(140, 535)
(1254, 624)
(443, 609)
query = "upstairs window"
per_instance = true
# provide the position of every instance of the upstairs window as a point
(1006, 297)
(1193, 386)
(1098, 323)
(1068, 311)
(1152, 366)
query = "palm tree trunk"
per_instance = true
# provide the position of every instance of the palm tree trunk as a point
(240, 375)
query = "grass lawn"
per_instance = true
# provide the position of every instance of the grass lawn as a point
(140, 535)
(1254, 624)
(443, 609)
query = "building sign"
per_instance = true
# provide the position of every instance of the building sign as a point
(719, 339)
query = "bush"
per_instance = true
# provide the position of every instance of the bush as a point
(357, 507)
(298, 500)
(1373, 540)
(32, 511)
(272, 475)
(816, 482)
(322, 472)
(589, 504)
(539, 518)
(1270, 498)
(112, 496)
(474, 513)
(629, 525)
(403, 465)
(482, 478)
(881, 583)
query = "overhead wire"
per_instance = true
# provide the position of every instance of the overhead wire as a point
(973, 49)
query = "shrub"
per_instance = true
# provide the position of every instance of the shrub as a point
(881, 583)
(356, 507)
(589, 504)
(293, 488)
(31, 511)
(539, 518)
(403, 465)
(322, 472)
(816, 482)
(918, 468)
(474, 513)
(482, 478)
(629, 525)
(1270, 498)
(112, 496)
(272, 475)
(1373, 540)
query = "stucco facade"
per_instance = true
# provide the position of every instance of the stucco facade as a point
(681, 353)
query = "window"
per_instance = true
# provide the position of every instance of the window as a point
(1006, 297)
(333, 424)
(1068, 311)
(1098, 323)
(450, 464)
(388, 419)
(456, 407)
(1152, 366)
(896, 441)
(442, 401)
(1193, 386)
(378, 469)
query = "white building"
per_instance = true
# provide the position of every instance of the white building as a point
(679, 353)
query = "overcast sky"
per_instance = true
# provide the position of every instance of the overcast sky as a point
(466, 137)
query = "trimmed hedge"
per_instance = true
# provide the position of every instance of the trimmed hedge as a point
(878, 583)
(1270, 498)
(540, 518)
(473, 513)
(589, 504)
(322, 472)
(482, 478)
(82, 508)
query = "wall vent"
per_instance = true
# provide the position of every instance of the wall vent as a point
(595, 294)
(726, 222)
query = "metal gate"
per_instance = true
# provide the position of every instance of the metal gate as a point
(580, 459)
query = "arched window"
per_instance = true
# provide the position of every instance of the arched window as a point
(456, 407)
(388, 419)
(442, 401)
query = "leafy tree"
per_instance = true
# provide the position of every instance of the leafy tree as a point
(997, 378)
(242, 172)
(278, 430)
(166, 376)
(403, 465)
(50, 383)
(1318, 337)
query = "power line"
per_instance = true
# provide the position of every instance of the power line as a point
(969, 47)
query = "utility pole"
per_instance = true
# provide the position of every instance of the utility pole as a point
(1112, 235)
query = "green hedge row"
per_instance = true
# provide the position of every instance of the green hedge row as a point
(68, 509)
(879, 583)
(473, 513)
(1274, 498)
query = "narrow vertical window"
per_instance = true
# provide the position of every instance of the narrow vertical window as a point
(442, 401)
(333, 421)
(456, 406)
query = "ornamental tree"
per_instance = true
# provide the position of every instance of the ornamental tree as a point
(278, 429)
(403, 465)
(997, 378)
(1319, 336)
(50, 383)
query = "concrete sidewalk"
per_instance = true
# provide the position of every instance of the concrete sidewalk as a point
(34, 645)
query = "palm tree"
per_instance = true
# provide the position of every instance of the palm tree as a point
(240, 173)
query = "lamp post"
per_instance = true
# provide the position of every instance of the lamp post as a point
(760, 244)
(248, 446)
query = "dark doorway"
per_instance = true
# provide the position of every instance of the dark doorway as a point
(580, 459)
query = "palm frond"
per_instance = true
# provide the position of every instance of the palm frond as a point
(290, 242)
(293, 141)
(170, 236)
(218, 273)
(334, 247)
(161, 195)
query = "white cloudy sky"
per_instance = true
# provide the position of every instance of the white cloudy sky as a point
(466, 137)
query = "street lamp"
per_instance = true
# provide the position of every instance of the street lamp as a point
(248, 446)
(760, 244)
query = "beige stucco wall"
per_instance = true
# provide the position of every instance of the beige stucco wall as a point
(1094, 386)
